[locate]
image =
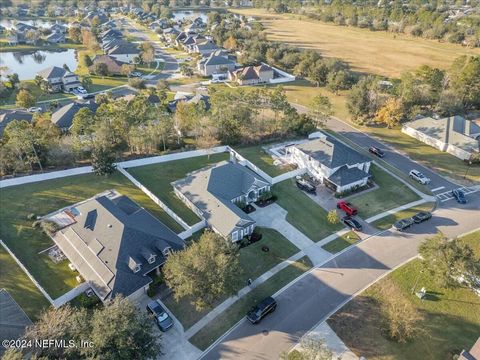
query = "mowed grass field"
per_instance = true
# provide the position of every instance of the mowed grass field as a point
(379, 52)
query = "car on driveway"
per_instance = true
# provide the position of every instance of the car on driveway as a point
(163, 320)
(419, 177)
(352, 223)
(421, 217)
(258, 312)
(34, 109)
(403, 224)
(459, 195)
(306, 186)
(349, 209)
(376, 151)
(80, 90)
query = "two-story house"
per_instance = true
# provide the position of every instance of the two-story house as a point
(59, 79)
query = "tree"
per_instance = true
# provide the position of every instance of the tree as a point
(75, 34)
(86, 60)
(230, 43)
(126, 69)
(205, 271)
(320, 109)
(25, 99)
(13, 79)
(147, 52)
(101, 69)
(391, 113)
(332, 217)
(312, 347)
(103, 160)
(83, 122)
(452, 263)
(186, 69)
(39, 80)
(362, 99)
(464, 77)
(86, 81)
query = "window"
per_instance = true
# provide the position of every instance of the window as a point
(167, 251)
(137, 268)
(152, 258)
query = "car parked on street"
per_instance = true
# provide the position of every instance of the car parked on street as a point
(421, 217)
(163, 320)
(34, 109)
(306, 186)
(403, 224)
(376, 151)
(419, 177)
(135, 74)
(459, 195)
(258, 312)
(349, 209)
(352, 223)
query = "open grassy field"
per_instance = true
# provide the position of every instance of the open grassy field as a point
(303, 213)
(388, 221)
(390, 194)
(237, 311)
(341, 242)
(19, 286)
(254, 263)
(451, 317)
(262, 159)
(44, 197)
(379, 52)
(157, 178)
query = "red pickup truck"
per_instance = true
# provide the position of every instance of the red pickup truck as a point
(347, 207)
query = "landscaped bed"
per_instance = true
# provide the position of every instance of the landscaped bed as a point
(341, 242)
(41, 198)
(218, 326)
(303, 213)
(451, 317)
(254, 262)
(391, 193)
(259, 157)
(157, 179)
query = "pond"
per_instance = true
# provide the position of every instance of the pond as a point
(10, 23)
(182, 15)
(27, 63)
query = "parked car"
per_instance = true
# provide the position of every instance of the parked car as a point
(34, 109)
(418, 176)
(304, 185)
(376, 151)
(135, 74)
(163, 320)
(81, 90)
(352, 223)
(349, 209)
(421, 217)
(403, 224)
(258, 312)
(459, 195)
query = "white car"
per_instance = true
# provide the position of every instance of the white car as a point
(34, 109)
(418, 176)
(81, 90)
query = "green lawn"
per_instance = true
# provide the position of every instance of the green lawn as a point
(341, 242)
(157, 178)
(303, 213)
(262, 159)
(103, 83)
(19, 286)
(254, 262)
(390, 194)
(451, 318)
(217, 327)
(39, 94)
(387, 222)
(44, 197)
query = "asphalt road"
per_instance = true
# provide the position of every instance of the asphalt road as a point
(314, 297)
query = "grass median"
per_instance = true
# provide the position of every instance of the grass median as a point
(222, 323)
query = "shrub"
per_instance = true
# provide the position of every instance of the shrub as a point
(49, 227)
(36, 223)
(137, 83)
(31, 216)
(155, 285)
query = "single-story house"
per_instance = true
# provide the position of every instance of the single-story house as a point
(10, 115)
(63, 117)
(124, 52)
(252, 75)
(455, 134)
(336, 165)
(13, 320)
(113, 243)
(113, 65)
(212, 193)
(59, 79)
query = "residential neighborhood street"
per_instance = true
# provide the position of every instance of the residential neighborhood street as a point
(313, 298)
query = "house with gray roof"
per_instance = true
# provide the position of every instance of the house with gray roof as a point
(214, 192)
(455, 134)
(113, 243)
(218, 62)
(336, 165)
(59, 79)
(124, 52)
(13, 320)
(63, 117)
(55, 38)
(9, 115)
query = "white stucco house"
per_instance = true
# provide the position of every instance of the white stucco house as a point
(334, 164)
(456, 135)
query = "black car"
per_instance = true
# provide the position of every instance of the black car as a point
(376, 151)
(421, 217)
(163, 320)
(352, 223)
(306, 186)
(258, 312)
(459, 195)
(403, 224)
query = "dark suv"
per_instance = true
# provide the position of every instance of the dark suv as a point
(258, 312)
(163, 320)
(306, 186)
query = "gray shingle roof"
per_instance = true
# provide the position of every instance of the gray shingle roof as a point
(52, 72)
(63, 117)
(218, 60)
(345, 176)
(331, 152)
(124, 48)
(108, 232)
(13, 319)
(11, 115)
